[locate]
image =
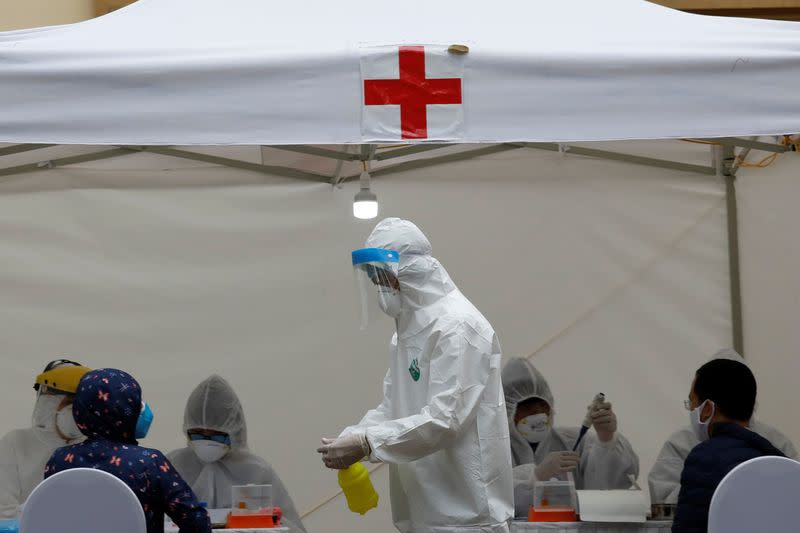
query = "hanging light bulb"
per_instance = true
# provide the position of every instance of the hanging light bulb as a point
(365, 203)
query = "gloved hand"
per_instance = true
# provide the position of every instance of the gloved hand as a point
(556, 463)
(604, 420)
(344, 451)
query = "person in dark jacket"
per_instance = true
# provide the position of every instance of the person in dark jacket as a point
(107, 407)
(721, 404)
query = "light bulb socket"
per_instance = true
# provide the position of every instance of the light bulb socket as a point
(365, 195)
(364, 179)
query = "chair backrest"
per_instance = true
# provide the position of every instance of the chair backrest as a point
(82, 500)
(758, 495)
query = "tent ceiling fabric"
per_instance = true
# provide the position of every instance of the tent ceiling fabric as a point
(241, 72)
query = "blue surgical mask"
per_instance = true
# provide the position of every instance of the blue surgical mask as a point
(144, 422)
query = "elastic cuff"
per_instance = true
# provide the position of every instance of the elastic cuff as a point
(366, 444)
(371, 457)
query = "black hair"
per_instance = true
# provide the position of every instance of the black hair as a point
(535, 400)
(730, 385)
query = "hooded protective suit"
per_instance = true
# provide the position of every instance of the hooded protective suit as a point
(25, 452)
(23, 456)
(441, 425)
(602, 466)
(214, 405)
(665, 477)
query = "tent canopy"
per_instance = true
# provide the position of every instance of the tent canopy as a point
(243, 72)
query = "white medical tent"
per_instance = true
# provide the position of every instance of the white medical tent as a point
(176, 183)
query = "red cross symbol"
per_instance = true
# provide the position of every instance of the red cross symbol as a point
(413, 92)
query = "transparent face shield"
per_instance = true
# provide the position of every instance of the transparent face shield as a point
(377, 286)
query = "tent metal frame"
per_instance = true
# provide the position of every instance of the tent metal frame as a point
(725, 162)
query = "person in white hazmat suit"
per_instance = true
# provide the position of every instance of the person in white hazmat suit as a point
(217, 456)
(25, 452)
(665, 477)
(604, 459)
(441, 425)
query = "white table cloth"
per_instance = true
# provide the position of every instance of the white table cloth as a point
(263, 530)
(590, 527)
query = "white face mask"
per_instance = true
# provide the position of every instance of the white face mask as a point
(209, 451)
(534, 428)
(389, 301)
(701, 428)
(66, 424)
(44, 413)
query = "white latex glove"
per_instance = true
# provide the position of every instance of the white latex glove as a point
(604, 420)
(556, 463)
(345, 451)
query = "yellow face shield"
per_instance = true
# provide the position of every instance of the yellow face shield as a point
(60, 380)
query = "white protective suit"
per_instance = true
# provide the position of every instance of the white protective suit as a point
(441, 428)
(665, 477)
(24, 454)
(214, 405)
(602, 466)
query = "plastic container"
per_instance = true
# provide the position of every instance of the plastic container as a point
(249, 499)
(252, 508)
(9, 526)
(256, 520)
(358, 489)
(554, 501)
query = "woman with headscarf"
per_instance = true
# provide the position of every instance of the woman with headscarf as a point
(217, 457)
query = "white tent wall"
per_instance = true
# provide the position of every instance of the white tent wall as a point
(614, 275)
(770, 259)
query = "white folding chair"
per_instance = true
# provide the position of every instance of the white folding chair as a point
(761, 495)
(82, 500)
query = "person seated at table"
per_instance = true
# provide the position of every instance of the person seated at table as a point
(216, 456)
(108, 409)
(539, 451)
(24, 452)
(721, 402)
(665, 477)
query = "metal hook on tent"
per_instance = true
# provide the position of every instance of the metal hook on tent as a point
(336, 179)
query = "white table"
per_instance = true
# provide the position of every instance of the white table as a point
(590, 527)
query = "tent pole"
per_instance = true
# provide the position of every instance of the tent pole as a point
(727, 162)
(753, 143)
(314, 150)
(21, 148)
(436, 160)
(272, 170)
(408, 150)
(64, 161)
(626, 158)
